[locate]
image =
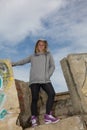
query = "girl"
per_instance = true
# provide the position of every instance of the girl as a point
(42, 68)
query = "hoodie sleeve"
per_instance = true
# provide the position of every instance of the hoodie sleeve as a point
(22, 62)
(51, 65)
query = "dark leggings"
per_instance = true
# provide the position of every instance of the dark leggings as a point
(48, 88)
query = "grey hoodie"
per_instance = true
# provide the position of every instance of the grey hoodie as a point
(42, 67)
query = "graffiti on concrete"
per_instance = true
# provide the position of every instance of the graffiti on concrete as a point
(1, 83)
(6, 81)
(2, 99)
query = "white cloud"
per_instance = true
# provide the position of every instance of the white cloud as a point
(68, 25)
(19, 18)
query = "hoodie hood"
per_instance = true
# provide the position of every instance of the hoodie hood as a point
(40, 53)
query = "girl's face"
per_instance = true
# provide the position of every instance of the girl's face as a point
(41, 46)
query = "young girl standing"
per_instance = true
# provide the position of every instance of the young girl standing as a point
(42, 68)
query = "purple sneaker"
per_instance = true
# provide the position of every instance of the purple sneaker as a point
(50, 119)
(34, 121)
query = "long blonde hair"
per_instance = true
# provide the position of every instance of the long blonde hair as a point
(45, 48)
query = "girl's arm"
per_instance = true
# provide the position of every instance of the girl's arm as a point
(52, 65)
(22, 62)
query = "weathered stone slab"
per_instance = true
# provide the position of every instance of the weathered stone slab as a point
(9, 123)
(74, 67)
(9, 105)
(8, 94)
(24, 96)
(71, 123)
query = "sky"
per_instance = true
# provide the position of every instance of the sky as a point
(63, 23)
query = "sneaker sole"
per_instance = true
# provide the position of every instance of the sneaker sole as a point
(56, 121)
(48, 122)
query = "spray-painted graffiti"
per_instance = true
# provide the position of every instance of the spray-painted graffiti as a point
(6, 81)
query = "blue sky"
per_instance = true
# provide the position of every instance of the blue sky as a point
(63, 23)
